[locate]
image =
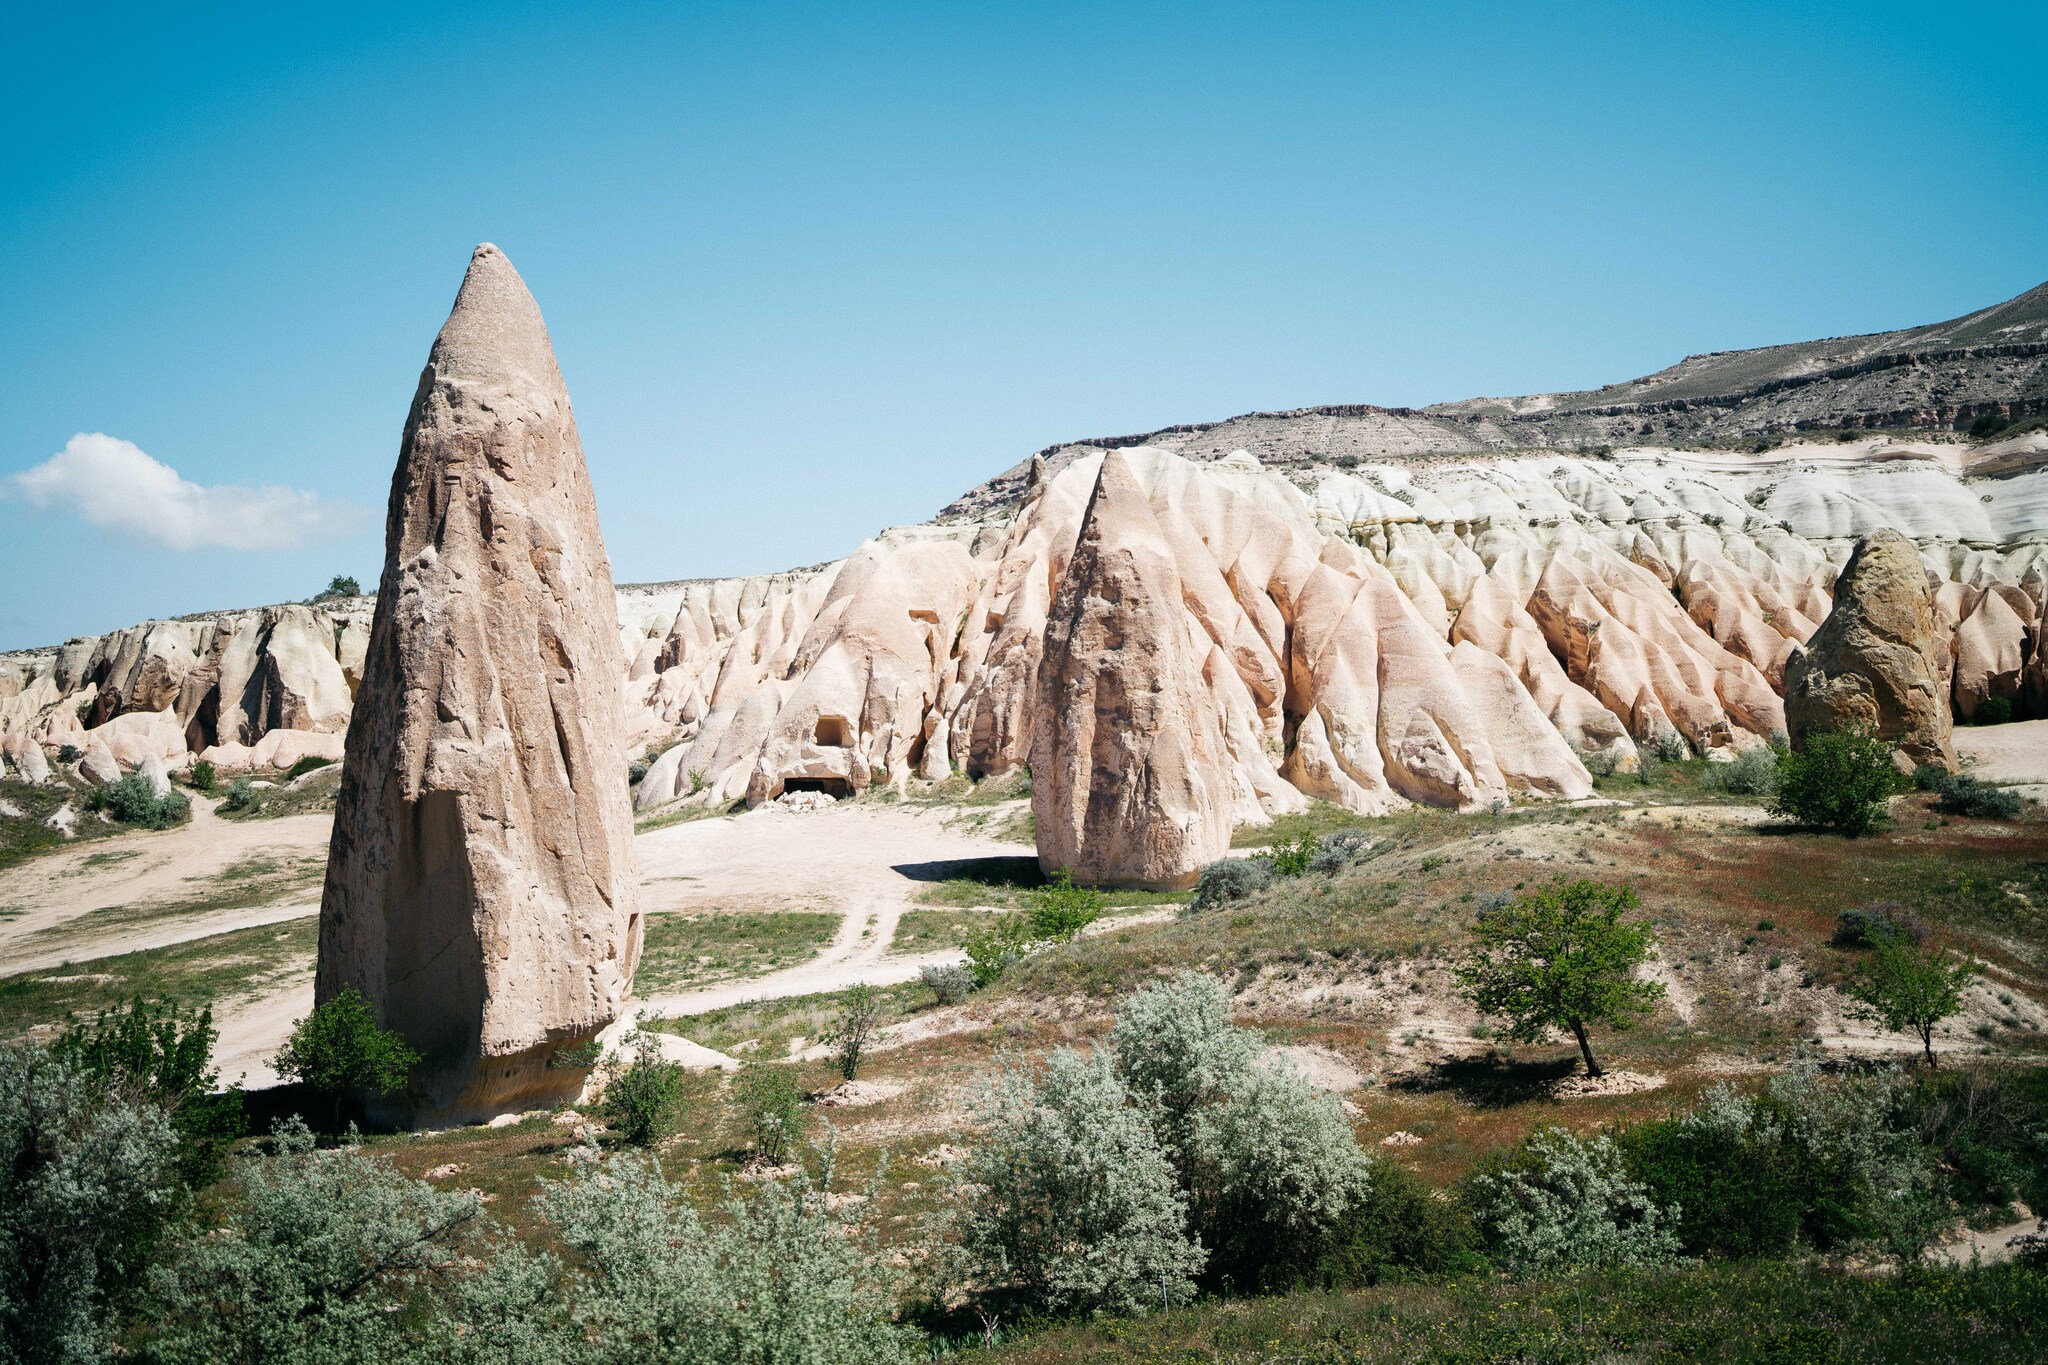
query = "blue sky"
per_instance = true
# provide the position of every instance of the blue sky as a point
(816, 269)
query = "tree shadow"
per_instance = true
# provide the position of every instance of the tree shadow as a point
(1490, 1082)
(1020, 871)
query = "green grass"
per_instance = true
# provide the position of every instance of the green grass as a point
(1778, 1312)
(225, 966)
(769, 1025)
(24, 835)
(1322, 817)
(273, 803)
(682, 815)
(929, 931)
(686, 950)
(1007, 883)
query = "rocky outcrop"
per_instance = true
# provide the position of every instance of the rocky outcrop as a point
(1639, 590)
(1129, 779)
(479, 884)
(1874, 662)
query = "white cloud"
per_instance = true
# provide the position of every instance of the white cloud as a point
(113, 483)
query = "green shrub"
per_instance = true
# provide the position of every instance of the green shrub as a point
(338, 1051)
(1403, 1229)
(948, 983)
(243, 795)
(1963, 795)
(161, 1053)
(1560, 957)
(1753, 773)
(1076, 1204)
(773, 1107)
(1838, 780)
(203, 777)
(859, 1013)
(1873, 924)
(1930, 777)
(1992, 711)
(643, 1096)
(1988, 1128)
(1060, 909)
(87, 1175)
(1228, 880)
(341, 585)
(997, 948)
(1727, 1186)
(133, 801)
(311, 763)
(1562, 1201)
(1290, 859)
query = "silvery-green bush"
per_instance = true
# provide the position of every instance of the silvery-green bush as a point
(1177, 1050)
(1335, 852)
(1753, 773)
(1277, 1171)
(86, 1177)
(1227, 880)
(323, 1258)
(1074, 1202)
(776, 1279)
(1568, 1202)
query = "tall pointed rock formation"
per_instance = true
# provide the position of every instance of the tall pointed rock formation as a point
(1875, 661)
(1130, 781)
(479, 889)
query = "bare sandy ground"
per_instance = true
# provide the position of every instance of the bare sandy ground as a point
(145, 867)
(2015, 753)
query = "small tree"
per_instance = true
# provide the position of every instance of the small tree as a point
(773, 1107)
(1910, 988)
(1060, 909)
(338, 1050)
(1561, 957)
(1838, 780)
(159, 1052)
(643, 1098)
(858, 1015)
(341, 585)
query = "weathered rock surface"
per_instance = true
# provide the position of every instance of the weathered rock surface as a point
(479, 884)
(1129, 778)
(1334, 559)
(1874, 662)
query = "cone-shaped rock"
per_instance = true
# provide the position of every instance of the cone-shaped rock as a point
(479, 885)
(1129, 784)
(1875, 661)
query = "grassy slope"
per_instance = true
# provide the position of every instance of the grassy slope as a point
(223, 967)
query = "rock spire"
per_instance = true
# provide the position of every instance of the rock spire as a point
(479, 888)
(1130, 779)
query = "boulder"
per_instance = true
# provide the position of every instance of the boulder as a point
(1129, 785)
(283, 748)
(480, 890)
(156, 774)
(97, 764)
(27, 757)
(1874, 661)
